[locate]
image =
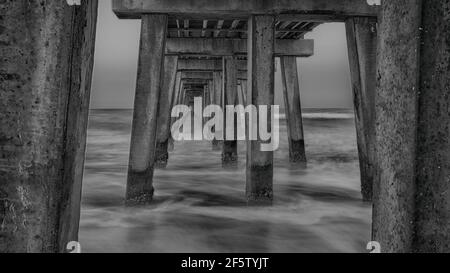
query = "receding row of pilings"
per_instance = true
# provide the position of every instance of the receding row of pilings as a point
(47, 55)
(156, 88)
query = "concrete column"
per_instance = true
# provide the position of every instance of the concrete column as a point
(211, 91)
(47, 52)
(185, 97)
(412, 190)
(177, 90)
(291, 89)
(175, 101)
(181, 98)
(261, 75)
(244, 91)
(217, 100)
(143, 137)
(229, 149)
(207, 94)
(240, 94)
(205, 100)
(362, 46)
(164, 111)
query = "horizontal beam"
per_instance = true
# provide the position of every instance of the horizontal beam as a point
(206, 65)
(240, 9)
(208, 76)
(230, 47)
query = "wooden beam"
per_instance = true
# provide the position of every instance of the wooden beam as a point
(238, 9)
(231, 47)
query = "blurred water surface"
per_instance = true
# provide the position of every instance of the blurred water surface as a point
(200, 207)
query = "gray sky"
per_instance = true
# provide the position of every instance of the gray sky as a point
(324, 78)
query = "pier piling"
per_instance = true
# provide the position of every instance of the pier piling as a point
(164, 111)
(47, 51)
(148, 86)
(412, 189)
(291, 90)
(261, 76)
(362, 47)
(230, 152)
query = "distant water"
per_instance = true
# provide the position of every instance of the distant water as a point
(200, 207)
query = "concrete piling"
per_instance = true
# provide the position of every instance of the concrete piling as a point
(175, 101)
(164, 111)
(261, 75)
(291, 90)
(47, 51)
(362, 48)
(217, 100)
(143, 137)
(229, 149)
(411, 193)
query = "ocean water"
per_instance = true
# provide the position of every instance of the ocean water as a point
(200, 207)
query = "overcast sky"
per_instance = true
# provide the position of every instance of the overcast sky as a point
(324, 78)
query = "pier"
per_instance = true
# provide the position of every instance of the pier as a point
(225, 51)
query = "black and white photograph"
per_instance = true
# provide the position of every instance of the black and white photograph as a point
(245, 128)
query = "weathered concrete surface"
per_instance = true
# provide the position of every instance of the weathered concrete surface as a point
(132, 9)
(242, 93)
(208, 75)
(396, 115)
(433, 136)
(217, 100)
(186, 65)
(411, 197)
(45, 76)
(231, 47)
(175, 101)
(143, 137)
(164, 111)
(261, 73)
(177, 90)
(291, 90)
(362, 48)
(244, 86)
(229, 148)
